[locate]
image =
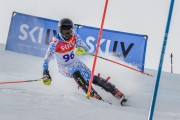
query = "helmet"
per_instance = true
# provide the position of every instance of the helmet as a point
(66, 28)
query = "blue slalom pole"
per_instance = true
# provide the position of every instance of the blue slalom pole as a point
(161, 62)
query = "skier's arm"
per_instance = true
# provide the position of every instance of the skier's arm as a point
(81, 47)
(48, 56)
(46, 76)
(81, 43)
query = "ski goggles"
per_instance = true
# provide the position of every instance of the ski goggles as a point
(65, 32)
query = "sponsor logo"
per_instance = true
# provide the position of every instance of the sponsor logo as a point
(91, 41)
(35, 34)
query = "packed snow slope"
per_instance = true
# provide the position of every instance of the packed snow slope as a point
(63, 101)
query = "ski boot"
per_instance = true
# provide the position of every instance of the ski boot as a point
(109, 87)
(95, 95)
(84, 85)
(120, 96)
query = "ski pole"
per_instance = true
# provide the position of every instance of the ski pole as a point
(81, 51)
(122, 65)
(20, 81)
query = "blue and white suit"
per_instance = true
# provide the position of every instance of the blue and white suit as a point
(67, 61)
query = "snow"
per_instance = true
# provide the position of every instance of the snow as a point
(63, 101)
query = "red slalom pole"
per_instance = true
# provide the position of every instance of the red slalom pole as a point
(20, 81)
(97, 49)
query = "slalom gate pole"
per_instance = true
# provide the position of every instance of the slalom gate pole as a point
(123, 65)
(20, 81)
(171, 63)
(97, 49)
(150, 117)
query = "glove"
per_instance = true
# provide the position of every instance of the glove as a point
(80, 51)
(46, 78)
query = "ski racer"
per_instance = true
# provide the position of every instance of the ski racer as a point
(64, 47)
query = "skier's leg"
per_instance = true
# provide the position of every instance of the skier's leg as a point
(109, 87)
(84, 85)
(81, 74)
(80, 81)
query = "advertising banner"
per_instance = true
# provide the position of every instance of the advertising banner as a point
(30, 35)
(130, 47)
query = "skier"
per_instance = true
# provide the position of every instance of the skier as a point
(64, 47)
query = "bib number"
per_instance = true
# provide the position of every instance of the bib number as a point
(67, 57)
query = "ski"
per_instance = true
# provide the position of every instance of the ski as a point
(123, 102)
